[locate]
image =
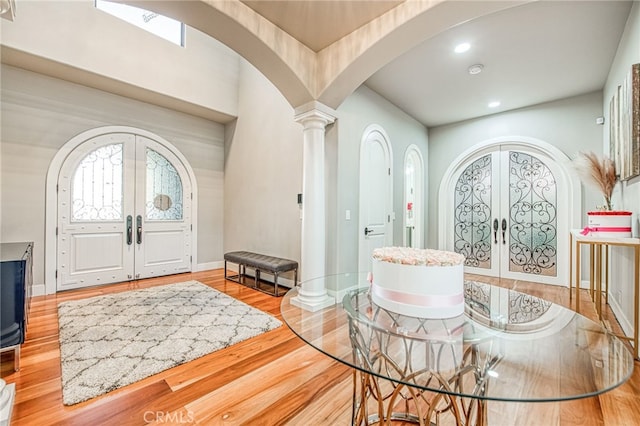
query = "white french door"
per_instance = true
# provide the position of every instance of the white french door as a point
(124, 212)
(509, 207)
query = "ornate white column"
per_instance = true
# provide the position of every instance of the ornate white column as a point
(312, 294)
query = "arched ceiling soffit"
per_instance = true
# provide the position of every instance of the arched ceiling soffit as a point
(333, 73)
(347, 63)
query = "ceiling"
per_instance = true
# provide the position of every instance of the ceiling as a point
(532, 53)
(319, 23)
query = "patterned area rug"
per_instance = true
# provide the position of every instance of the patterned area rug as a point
(107, 342)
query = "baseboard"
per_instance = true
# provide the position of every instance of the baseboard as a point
(38, 290)
(209, 265)
(625, 323)
(339, 295)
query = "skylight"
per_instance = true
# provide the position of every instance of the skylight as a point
(162, 26)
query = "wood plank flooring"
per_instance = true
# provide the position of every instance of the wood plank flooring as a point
(273, 379)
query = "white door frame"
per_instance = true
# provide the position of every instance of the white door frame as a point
(567, 178)
(366, 135)
(51, 194)
(418, 198)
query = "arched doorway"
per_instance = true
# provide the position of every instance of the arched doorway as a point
(124, 209)
(508, 205)
(413, 218)
(376, 194)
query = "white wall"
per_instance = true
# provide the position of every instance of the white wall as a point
(568, 124)
(626, 194)
(248, 178)
(46, 34)
(40, 114)
(263, 171)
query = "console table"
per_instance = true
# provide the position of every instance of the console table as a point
(507, 346)
(599, 274)
(15, 294)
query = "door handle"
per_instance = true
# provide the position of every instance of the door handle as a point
(367, 231)
(129, 230)
(495, 231)
(139, 229)
(504, 229)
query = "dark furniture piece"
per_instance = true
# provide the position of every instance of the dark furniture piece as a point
(15, 294)
(260, 262)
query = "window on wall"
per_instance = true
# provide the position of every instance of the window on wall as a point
(162, 26)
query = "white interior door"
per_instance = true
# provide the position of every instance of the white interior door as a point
(375, 196)
(509, 208)
(124, 206)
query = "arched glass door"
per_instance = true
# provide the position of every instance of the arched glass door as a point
(413, 198)
(506, 217)
(124, 212)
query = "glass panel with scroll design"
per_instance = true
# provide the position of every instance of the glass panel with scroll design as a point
(472, 222)
(163, 189)
(532, 216)
(97, 186)
(525, 308)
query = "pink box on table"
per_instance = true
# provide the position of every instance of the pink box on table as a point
(608, 224)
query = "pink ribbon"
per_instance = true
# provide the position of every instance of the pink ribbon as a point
(586, 230)
(417, 299)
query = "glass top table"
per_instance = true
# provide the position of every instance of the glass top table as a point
(507, 346)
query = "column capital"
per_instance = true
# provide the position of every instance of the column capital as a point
(314, 112)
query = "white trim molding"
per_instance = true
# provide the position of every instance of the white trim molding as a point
(366, 135)
(563, 162)
(420, 197)
(51, 194)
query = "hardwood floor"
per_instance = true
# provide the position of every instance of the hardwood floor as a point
(273, 379)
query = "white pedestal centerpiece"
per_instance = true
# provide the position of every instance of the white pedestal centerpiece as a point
(422, 283)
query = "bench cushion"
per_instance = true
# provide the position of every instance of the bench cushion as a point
(261, 261)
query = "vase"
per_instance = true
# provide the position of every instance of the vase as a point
(608, 224)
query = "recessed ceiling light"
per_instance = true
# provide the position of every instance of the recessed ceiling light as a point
(476, 69)
(462, 47)
(493, 104)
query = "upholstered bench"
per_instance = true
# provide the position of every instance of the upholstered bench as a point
(260, 263)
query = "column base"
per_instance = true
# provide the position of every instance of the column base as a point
(313, 304)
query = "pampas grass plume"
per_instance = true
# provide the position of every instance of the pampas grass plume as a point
(598, 172)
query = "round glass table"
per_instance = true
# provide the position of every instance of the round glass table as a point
(507, 346)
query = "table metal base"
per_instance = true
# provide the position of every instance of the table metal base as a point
(378, 400)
